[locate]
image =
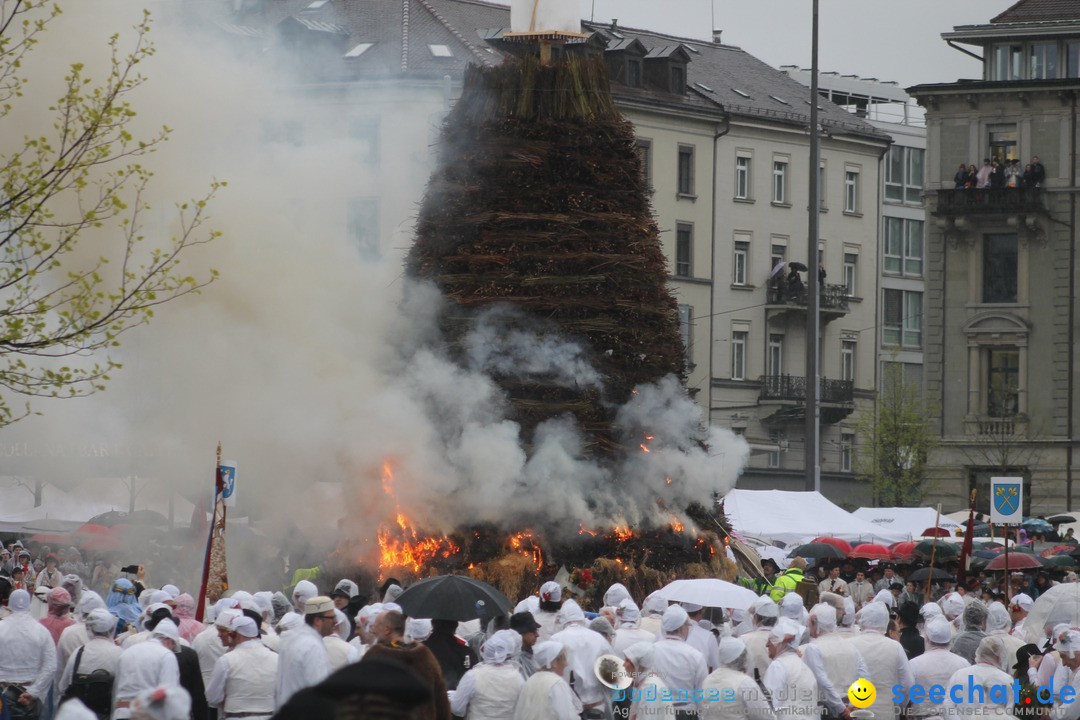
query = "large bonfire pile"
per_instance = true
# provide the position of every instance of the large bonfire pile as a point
(539, 203)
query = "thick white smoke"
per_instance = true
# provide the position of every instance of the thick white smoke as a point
(310, 362)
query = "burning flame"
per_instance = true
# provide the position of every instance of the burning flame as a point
(667, 480)
(623, 534)
(404, 547)
(643, 446)
(582, 530)
(645, 449)
(526, 543)
(677, 526)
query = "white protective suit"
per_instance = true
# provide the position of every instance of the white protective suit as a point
(303, 662)
(27, 650)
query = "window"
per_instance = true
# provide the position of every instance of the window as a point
(779, 252)
(633, 73)
(738, 355)
(902, 253)
(847, 444)
(847, 360)
(902, 318)
(1043, 61)
(363, 226)
(1003, 382)
(742, 178)
(678, 79)
(686, 329)
(851, 265)
(779, 171)
(686, 170)
(851, 191)
(644, 150)
(1000, 255)
(684, 241)
(1072, 59)
(904, 174)
(1008, 62)
(440, 51)
(740, 262)
(776, 354)
(776, 437)
(1003, 143)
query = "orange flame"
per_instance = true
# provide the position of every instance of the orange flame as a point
(667, 480)
(677, 526)
(622, 534)
(403, 547)
(582, 530)
(644, 449)
(526, 543)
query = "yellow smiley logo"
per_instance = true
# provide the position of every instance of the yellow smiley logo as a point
(862, 693)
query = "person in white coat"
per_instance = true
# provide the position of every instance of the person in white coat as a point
(648, 699)
(836, 664)
(550, 598)
(700, 638)
(885, 657)
(765, 615)
(490, 690)
(731, 694)
(998, 624)
(303, 658)
(27, 651)
(583, 647)
(935, 666)
(208, 643)
(629, 630)
(243, 679)
(681, 667)
(99, 653)
(546, 695)
(1069, 649)
(792, 687)
(338, 650)
(978, 683)
(145, 666)
(75, 636)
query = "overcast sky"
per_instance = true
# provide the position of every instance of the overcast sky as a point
(889, 40)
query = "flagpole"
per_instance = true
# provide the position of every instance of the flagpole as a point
(200, 607)
(933, 551)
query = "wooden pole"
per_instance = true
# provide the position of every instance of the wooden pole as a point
(933, 554)
(1008, 581)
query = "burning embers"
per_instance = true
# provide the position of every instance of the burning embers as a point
(401, 546)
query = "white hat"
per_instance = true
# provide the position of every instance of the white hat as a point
(886, 598)
(691, 607)
(417, 630)
(791, 606)
(767, 609)
(172, 590)
(304, 589)
(166, 629)
(873, 616)
(529, 604)
(952, 605)
(641, 654)
(1069, 642)
(289, 621)
(938, 630)
(655, 605)
(628, 613)
(825, 615)
(570, 612)
(551, 591)
(19, 601)
(264, 603)
(392, 607)
(1022, 601)
(100, 621)
(930, 610)
(225, 618)
(616, 594)
(785, 628)
(544, 653)
(245, 626)
(495, 649)
(674, 618)
(730, 649)
(318, 604)
(89, 602)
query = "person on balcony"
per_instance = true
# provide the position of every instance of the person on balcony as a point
(972, 178)
(982, 178)
(997, 175)
(1038, 172)
(961, 177)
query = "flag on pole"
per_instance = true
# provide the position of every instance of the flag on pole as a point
(215, 580)
(228, 477)
(965, 550)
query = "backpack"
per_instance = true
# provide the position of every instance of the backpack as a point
(94, 689)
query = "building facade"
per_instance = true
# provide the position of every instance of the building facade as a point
(1000, 306)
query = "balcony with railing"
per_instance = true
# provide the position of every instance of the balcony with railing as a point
(836, 398)
(832, 303)
(999, 201)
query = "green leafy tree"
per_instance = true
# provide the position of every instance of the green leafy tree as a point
(894, 442)
(77, 265)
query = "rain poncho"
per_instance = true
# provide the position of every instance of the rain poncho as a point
(27, 651)
(184, 611)
(122, 603)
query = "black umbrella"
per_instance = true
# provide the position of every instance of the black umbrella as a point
(818, 551)
(932, 573)
(453, 597)
(1059, 519)
(798, 266)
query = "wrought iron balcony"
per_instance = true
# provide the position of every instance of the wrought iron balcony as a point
(1001, 201)
(837, 397)
(833, 302)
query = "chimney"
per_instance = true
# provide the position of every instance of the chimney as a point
(716, 33)
(614, 24)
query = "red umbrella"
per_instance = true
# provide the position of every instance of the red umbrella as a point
(870, 551)
(903, 549)
(1017, 561)
(1058, 550)
(936, 532)
(842, 545)
(89, 530)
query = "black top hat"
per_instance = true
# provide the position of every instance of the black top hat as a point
(1023, 654)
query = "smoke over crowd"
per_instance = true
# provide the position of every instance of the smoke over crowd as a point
(313, 361)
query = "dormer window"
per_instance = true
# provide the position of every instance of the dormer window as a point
(633, 72)
(678, 79)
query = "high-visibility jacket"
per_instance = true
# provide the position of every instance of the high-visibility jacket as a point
(785, 583)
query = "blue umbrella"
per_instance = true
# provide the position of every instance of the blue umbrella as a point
(1037, 525)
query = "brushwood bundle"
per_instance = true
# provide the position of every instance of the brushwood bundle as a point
(539, 201)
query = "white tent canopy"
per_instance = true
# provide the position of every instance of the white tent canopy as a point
(911, 521)
(796, 517)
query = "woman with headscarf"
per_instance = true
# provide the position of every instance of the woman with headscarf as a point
(184, 611)
(59, 617)
(122, 603)
(490, 690)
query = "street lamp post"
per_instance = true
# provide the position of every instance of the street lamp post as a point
(813, 315)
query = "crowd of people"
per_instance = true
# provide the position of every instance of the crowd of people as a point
(997, 173)
(140, 652)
